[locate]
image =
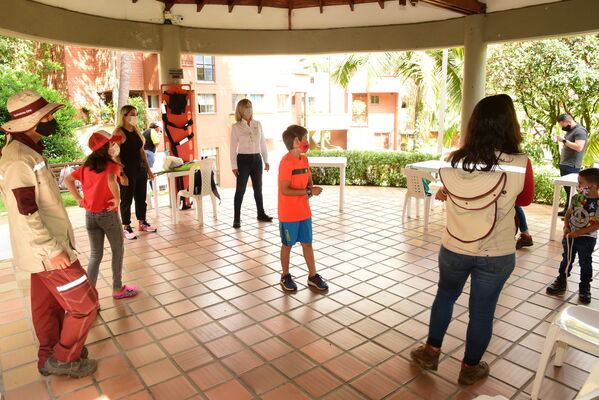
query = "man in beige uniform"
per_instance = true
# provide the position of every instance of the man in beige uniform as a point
(64, 304)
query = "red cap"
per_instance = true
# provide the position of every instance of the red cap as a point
(99, 139)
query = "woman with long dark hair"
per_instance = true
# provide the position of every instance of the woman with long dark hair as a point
(488, 177)
(136, 171)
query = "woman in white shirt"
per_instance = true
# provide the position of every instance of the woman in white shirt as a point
(248, 150)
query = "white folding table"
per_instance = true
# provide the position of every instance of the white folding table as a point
(566, 180)
(335, 162)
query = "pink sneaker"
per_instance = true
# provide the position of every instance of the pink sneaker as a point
(128, 291)
(144, 226)
(128, 233)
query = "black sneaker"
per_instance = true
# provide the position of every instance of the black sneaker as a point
(264, 218)
(318, 283)
(584, 293)
(76, 369)
(236, 224)
(559, 286)
(84, 355)
(288, 284)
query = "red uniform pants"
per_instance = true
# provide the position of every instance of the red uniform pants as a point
(64, 304)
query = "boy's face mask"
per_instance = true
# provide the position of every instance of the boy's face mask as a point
(583, 190)
(304, 146)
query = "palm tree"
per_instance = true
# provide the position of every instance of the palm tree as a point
(422, 70)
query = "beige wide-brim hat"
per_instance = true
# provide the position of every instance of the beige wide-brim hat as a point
(26, 109)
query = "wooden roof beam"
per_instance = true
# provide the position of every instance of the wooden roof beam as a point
(231, 4)
(320, 4)
(351, 4)
(466, 7)
(382, 3)
(168, 4)
(402, 2)
(200, 4)
(259, 6)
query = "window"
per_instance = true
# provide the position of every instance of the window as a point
(235, 99)
(153, 101)
(206, 103)
(205, 68)
(312, 104)
(312, 80)
(257, 101)
(374, 99)
(283, 102)
(213, 153)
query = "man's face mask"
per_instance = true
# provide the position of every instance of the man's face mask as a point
(47, 128)
(304, 146)
(566, 128)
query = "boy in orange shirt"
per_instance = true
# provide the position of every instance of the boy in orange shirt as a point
(295, 216)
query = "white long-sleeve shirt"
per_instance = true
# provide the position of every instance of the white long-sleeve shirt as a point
(247, 139)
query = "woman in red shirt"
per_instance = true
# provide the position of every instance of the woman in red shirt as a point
(101, 199)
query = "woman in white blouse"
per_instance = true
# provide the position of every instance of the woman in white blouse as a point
(248, 150)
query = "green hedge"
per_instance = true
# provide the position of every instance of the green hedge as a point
(367, 168)
(378, 168)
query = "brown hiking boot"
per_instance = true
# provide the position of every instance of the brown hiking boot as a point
(470, 375)
(426, 357)
(76, 369)
(524, 241)
(84, 355)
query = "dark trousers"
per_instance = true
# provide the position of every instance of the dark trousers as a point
(249, 165)
(521, 218)
(565, 170)
(583, 246)
(64, 304)
(136, 190)
(487, 275)
(99, 225)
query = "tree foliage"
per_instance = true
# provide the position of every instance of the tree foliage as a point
(24, 65)
(547, 78)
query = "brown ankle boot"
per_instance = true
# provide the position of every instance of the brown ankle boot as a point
(470, 375)
(426, 357)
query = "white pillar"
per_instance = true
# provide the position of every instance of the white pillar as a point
(170, 55)
(442, 102)
(475, 60)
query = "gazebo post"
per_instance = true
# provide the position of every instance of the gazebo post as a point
(170, 53)
(475, 61)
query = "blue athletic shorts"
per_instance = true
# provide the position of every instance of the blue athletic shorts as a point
(293, 232)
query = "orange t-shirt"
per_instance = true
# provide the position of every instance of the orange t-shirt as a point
(296, 171)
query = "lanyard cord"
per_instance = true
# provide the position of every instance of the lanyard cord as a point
(569, 254)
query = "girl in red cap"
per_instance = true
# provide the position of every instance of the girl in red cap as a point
(101, 198)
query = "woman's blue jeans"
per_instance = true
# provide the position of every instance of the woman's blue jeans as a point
(489, 274)
(522, 224)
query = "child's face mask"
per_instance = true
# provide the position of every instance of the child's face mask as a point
(583, 190)
(114, 150)
(304, 146)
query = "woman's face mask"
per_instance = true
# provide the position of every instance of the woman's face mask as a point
(132, 119)
(248, 112)
(114, 150)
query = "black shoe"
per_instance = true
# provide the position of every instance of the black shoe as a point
(584, 293)
(559, 286)
(84, 355)
(561, 213)
(236, 224)
(264, 218)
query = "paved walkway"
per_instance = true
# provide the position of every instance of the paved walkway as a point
(212, 323)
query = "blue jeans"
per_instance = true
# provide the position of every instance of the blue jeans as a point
(583, 246)
(565, 170)
(522, 225)
(151, 158)
(488, 277)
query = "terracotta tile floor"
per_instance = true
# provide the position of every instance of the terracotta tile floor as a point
(212, 323)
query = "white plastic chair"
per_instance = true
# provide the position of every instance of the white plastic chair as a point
(417, 192)
(576, 326)
(206, 168)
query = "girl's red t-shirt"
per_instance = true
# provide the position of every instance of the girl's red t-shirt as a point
(96, 193)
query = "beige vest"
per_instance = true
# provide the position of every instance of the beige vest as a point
(480, 207)
(38, 236)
